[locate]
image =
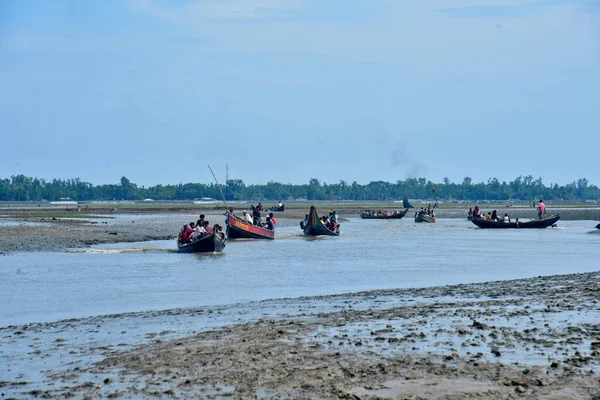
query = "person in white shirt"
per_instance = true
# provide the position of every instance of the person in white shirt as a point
(248, 218)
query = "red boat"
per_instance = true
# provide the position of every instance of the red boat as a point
(237, 228)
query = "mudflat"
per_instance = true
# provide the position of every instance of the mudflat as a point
(535, 338)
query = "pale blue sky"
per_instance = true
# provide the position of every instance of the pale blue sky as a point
(288, 90)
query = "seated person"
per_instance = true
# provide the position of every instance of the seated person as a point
(186, 234)
(248, 218)
(208, 228)
(269, 224)
(304, 222)
(273, 219)
(200, 231)
(506, 218)
(488, 217)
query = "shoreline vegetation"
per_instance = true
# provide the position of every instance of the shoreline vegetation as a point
(536, 338)
(523, 189)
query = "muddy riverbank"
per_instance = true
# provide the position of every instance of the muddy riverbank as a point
(535, 338)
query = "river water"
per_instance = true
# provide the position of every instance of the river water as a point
(369, 254)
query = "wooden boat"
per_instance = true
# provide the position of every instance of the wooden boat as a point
(315, 226)
(395, 215)
(598, 226)
(206, 244)
(237, 228)
(424, 218)
(280, 209)
(534, 223)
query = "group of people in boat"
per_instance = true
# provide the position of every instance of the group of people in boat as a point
(490, 216)
(380, 213)
(329, 221)
(256, 219)
(426, 211)
(197, 230)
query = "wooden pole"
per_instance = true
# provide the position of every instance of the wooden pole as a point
(220, 190)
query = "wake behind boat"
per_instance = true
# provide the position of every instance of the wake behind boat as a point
(315, 227)
(534, 223)
(369, 214)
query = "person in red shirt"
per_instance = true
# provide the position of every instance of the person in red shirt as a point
(273, 219)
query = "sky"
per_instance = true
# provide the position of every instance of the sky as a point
(289, 90)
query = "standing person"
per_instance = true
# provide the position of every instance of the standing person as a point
(333, 216)
(541, 208)
(260, 206)
(256, 216)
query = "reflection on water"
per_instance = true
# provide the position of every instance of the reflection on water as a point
(368, 255)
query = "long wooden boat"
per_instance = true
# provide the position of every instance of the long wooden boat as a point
(237, 228)
(424, 218)
(395, 215)
(206, 244)
(534, 223)
(280, 209)
(315, 226)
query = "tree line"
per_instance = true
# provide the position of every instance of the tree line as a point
(522, 188)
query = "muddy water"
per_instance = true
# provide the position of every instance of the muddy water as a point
(38, 287)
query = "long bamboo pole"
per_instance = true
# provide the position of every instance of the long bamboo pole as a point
(220, 190)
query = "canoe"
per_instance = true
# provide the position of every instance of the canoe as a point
(424, 218)
(206, 244)
(534, 223)
(398, 215)
(315, 227)
(237, 228)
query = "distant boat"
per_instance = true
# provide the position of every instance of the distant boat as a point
(237, 228)
(534, 223)
(598, 226)
(315, 226)
(388, 215)
(280, 209)
(424, 218)
(206, 244)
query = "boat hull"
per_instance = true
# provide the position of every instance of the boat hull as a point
(315, 227)
(399, 215)
(208, 244)
(533, 224)
(424, 218)
(240, 229)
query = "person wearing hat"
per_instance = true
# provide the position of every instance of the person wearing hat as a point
(333, 216)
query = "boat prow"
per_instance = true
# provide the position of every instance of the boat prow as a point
(315, 226)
